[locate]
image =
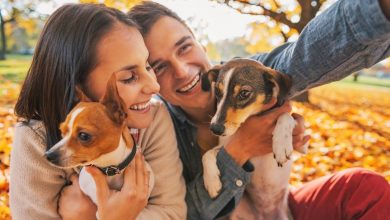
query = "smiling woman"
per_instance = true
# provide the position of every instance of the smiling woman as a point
(83, 45)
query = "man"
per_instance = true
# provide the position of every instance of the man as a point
(349, 36)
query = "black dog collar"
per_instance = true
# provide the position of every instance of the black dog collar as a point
(114, 170)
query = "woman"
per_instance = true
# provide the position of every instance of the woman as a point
(82, 45)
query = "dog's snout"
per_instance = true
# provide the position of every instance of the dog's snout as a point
(217, 129)
(53, 157)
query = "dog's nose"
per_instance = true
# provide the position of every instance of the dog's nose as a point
(217, 129)
(53, 157)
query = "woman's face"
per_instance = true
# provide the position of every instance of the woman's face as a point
(122, 52)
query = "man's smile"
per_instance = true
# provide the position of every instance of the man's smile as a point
(190, 85)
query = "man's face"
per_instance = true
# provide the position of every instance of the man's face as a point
(178, 61)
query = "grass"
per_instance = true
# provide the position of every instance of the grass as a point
(368, 81)
(14, 68)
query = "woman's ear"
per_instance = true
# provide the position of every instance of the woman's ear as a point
(115, 106)
(209, 77)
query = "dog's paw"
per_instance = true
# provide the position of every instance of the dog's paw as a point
(212, 182)
(282, 139)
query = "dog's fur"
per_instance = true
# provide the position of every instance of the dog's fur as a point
(95, 133)
(244, 88)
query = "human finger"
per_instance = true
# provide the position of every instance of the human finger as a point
(129, 178)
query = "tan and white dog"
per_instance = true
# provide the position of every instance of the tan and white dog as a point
(96, 133)
(244, 88)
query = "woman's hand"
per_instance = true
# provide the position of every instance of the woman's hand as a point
(254, 137)
(131, 199)
(74, 204)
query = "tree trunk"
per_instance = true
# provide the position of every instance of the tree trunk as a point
(3, 41)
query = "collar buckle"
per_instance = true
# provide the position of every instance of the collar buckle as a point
(112, 170)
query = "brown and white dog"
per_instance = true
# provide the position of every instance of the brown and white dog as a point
(96, 133)
(244, 88)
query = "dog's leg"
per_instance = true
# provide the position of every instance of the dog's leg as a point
(268, 189)
(211, 173)
(282, 142)
(87, 185)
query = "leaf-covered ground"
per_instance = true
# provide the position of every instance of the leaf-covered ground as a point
(349, 125)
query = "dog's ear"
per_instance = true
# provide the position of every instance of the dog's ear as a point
(114, 104)
(81, 97)
(209, 77)
(277, 85)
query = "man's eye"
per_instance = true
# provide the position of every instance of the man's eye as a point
(184, 48)
(158, 70)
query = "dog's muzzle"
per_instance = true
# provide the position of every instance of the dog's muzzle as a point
(217, 129)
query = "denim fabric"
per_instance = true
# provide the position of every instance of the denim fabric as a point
(348, 36)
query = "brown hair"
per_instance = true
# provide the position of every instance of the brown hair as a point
(147, 13)
(63, 58)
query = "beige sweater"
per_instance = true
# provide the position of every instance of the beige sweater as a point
(35, 184)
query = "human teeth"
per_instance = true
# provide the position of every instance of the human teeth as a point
(189, 86)
(140, 106)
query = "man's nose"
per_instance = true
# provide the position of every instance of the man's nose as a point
(181, 70)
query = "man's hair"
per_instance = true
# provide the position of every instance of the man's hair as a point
(147, 13)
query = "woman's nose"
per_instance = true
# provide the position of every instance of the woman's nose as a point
(150, 84)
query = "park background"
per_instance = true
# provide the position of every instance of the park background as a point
(349, 121)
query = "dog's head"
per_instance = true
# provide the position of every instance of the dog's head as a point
(243, 88)
(91, 129)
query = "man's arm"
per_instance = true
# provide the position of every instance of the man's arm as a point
(234, 180)
(347, 37)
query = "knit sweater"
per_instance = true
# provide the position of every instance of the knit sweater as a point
(36, 184)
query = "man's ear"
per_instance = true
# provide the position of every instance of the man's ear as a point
(277, 85)
(209, 77)
(115, 106)
(81, 97)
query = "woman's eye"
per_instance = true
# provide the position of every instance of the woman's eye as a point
(131, 79)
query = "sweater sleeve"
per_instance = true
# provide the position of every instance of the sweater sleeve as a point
(167, 199)
(35, 184)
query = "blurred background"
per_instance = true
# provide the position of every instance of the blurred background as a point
(349, 121)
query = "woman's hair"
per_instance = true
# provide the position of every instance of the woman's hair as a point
(147, 13)
(64, 56)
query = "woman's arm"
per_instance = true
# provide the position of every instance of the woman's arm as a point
(160, 150)
(35, 184)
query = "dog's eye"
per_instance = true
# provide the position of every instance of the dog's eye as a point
(244, 94)
(84, 137)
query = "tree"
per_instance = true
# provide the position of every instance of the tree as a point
(19, 16)
(2, 34)
(285, 17)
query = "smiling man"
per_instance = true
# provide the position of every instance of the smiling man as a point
(350, 35)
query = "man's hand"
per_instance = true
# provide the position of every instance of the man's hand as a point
(254, 137)
(74, 204)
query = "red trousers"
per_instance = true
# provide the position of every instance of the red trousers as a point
(350, 194)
